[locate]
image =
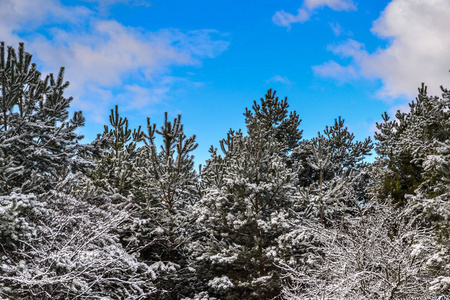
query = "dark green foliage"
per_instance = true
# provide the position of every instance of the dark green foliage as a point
(334, 174)
(404, 179)
(413, 164)
(406, 143)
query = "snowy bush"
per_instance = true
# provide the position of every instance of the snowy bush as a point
(374, 256)
(61, 247)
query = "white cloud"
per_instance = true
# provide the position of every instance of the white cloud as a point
(417, 50)
(27, 15)
(350, 48)
(142, 96)
(279, 79)
(338, 5)
(309, 7)
(282, 18)
(338, 30)
(101, 55)
(334, 70)
(115, 2)
(110, 51)
(103, 6)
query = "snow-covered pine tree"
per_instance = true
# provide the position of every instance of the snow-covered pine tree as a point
(246, 203)
(334, 174)
(412, 171)
(54, 243)
(115, 157)
(37, 139)
(409, 145)
(272, 115)
(166, 191)
(329, 192)
(343, 152)
(414, 153)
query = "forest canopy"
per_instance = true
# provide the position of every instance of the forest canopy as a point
(269, 214)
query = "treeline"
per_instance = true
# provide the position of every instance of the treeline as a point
(270, 214)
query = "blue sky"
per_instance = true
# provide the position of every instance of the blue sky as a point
(208, 60)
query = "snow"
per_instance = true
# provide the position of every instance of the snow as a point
(220, 283)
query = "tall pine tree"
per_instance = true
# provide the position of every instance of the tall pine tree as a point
(166, 190)
(38, 141)
(246, 202)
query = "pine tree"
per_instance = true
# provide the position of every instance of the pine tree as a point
(408, 145)
(116, 154)
(166, 192)
(412, 172)
(37, 139)
(344, 153)
(272, 115)
(245, 206)
(58, 231)
(334, 175)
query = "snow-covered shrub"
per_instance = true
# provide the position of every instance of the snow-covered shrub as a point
(59, 247)
(373, 256)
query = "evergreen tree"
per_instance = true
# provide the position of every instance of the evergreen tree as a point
(409, 147)
(343, 152)
(245, 206)
(37, 139)
(115, 153)
(55, 243)
(412, 171)
(272, 115)
(166, 191)
(334, 175)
